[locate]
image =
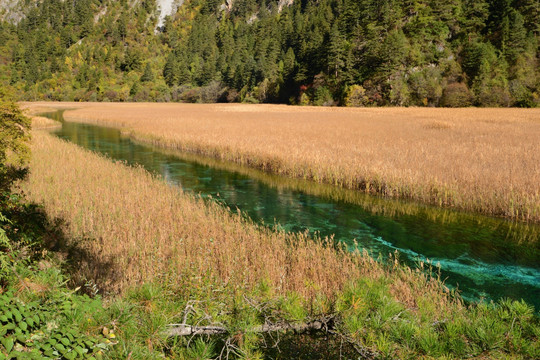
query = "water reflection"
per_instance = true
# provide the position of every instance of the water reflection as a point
(483, 256)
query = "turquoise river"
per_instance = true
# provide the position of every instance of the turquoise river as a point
(483, 257)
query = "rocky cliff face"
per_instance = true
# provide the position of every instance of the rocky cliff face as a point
(167, 8)
(228, 4)
(283, 3)
(11, 11)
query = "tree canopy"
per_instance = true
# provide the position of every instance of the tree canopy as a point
(400, 52)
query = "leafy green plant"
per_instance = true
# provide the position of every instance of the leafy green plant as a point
(41, 329)
(5, 250)
(14, 129)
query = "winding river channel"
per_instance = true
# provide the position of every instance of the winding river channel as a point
(483, 257)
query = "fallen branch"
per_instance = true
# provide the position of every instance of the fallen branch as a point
(188, 330)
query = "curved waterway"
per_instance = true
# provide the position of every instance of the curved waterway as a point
(483, 257)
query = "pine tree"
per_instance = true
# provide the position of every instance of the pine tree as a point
(148, 75)
(170, 71)
(336, 53)
(517, 36)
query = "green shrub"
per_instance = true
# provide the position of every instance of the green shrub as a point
(14, 132)
(356, 96)
(323, 97)
(456, 95)
(494, 96)
(5, 251)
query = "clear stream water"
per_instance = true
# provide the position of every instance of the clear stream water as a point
(482, 257)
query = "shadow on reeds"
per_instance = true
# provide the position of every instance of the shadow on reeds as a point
(92, 272)
(41, 233)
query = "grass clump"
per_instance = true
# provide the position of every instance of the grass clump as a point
(40, 122)
(372, 318)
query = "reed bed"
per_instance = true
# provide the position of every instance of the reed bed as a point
(481, 160)
(516, 232)
(40, 122)
(126, 228)
(135, 228)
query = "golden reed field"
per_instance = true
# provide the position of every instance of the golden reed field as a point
(482, 160)
(132, 227)
(123, 229)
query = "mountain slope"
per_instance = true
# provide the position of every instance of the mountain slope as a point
(326, 52)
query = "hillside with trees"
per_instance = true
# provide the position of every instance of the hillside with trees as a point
(327, 52)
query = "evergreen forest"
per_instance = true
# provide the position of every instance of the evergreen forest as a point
(449, 53)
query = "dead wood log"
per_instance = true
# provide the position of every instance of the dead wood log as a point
(326, 325)
(188, 330)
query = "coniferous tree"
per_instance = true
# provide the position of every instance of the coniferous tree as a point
(400, 52)
(148, 75)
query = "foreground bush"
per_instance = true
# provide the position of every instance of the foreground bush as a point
(39, 317)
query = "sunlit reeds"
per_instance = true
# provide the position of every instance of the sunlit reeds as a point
(482, 160)
(40, 122)
(135, 228)
(125, 227)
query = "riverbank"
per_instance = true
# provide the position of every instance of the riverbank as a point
(135, 231)
(479, 160)
(480, 255)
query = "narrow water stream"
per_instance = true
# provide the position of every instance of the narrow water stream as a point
(483, 257)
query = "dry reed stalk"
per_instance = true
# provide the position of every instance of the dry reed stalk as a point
(482, 160)
(39, 122)
(133, 228)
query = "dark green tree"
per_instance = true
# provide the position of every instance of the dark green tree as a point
(148, 75)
